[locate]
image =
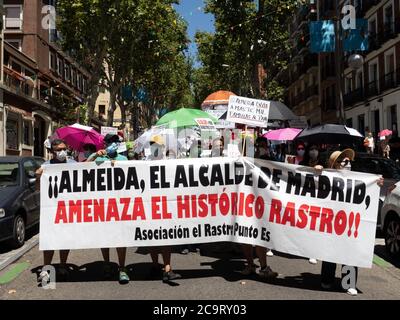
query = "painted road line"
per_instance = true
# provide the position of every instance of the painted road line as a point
(28, 246)
(14, 272)
(380, 262)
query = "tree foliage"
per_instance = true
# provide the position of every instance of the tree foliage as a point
(244, 38)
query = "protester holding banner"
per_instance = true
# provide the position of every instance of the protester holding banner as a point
(59, 152)
(261, 252)
(312, 159)
(157, 146)
(300, 153)
(89, 151)
(110, 154)
(339, 160)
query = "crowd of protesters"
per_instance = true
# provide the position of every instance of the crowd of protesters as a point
(303, 154)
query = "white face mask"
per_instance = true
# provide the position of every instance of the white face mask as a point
(61, 155)
(348, 167)
(314, 154)
(301, 153)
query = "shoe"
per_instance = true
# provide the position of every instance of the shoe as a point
(63, 272)
(267, 273)
(185, 251)
(312, 261)
(270, 253)
(44, 277)
(326, 286)
(352, 291)
(250, 269)
(170, 275)
(123, 276)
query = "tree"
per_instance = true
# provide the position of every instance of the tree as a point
(244, 38)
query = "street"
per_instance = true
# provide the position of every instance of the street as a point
(211, 277)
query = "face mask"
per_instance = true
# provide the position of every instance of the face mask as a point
(112, 150)
(61, 155)
(348, 167)
(314, 154)
(301, 153)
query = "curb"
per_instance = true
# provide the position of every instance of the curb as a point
(27, 247)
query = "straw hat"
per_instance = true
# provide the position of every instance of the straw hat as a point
(158, 139)
(347, 153)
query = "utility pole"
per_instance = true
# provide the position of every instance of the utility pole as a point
(339, 66)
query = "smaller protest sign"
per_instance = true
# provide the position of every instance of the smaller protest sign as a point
(247, 111)
(205, 124)
(108, 130)
(222, 123)
(122, 147)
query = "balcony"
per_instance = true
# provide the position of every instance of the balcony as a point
(328, 72)
(18, 84)
(372, 89)
(368, 4)
(353, 97)
(375, 41)
(389, 32)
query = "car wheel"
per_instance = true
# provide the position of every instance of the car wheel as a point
(392, 237)
(18, 239)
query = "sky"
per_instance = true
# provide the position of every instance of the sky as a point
(193, 12)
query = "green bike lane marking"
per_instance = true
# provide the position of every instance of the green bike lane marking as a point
(380, 262)
(14, 272)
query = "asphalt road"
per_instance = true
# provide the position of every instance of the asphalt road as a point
(211, 276)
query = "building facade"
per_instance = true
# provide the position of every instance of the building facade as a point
(42, 85)
(371, 93)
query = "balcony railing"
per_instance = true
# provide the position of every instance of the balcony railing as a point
(19, 87)
(389, 31)
(353, 97)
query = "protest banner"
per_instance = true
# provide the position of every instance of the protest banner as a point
(247, 111)
(108, 130)
(330, 217)
(205, 124)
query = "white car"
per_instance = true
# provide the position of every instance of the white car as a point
(390, 220)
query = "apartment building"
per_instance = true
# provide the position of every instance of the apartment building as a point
(42, 85)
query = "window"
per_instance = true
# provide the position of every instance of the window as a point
(73, 76)
(27, 132)
(60, 66)
(393, 118)
(361, 124)
(53, 63)
(359, 80)
(14, 16)
(84, 85)
(102, 109)
(17, 44)
(67, 72)
(389, 18)
(12, 134)
(348, 84)
(30, 168)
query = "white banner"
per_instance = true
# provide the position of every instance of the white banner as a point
(330, 217)
(251, 112)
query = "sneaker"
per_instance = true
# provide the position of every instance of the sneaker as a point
(44, 277)
(250, 269)
(270, 253)
(170, 275)
(352, 291)
(267, 273)
(326, 286)
(123, 276)
(312, 261)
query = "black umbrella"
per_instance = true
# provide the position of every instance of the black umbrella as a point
(279, 111)
(330, 134)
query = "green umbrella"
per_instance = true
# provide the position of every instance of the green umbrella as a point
(184, 118)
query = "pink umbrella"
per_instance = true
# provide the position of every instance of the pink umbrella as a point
(287, 134)
(77, 135)
(385, 133)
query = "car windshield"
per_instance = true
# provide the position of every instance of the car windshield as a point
(8, 174)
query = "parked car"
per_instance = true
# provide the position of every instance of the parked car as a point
(390, 220)
(19, 199)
